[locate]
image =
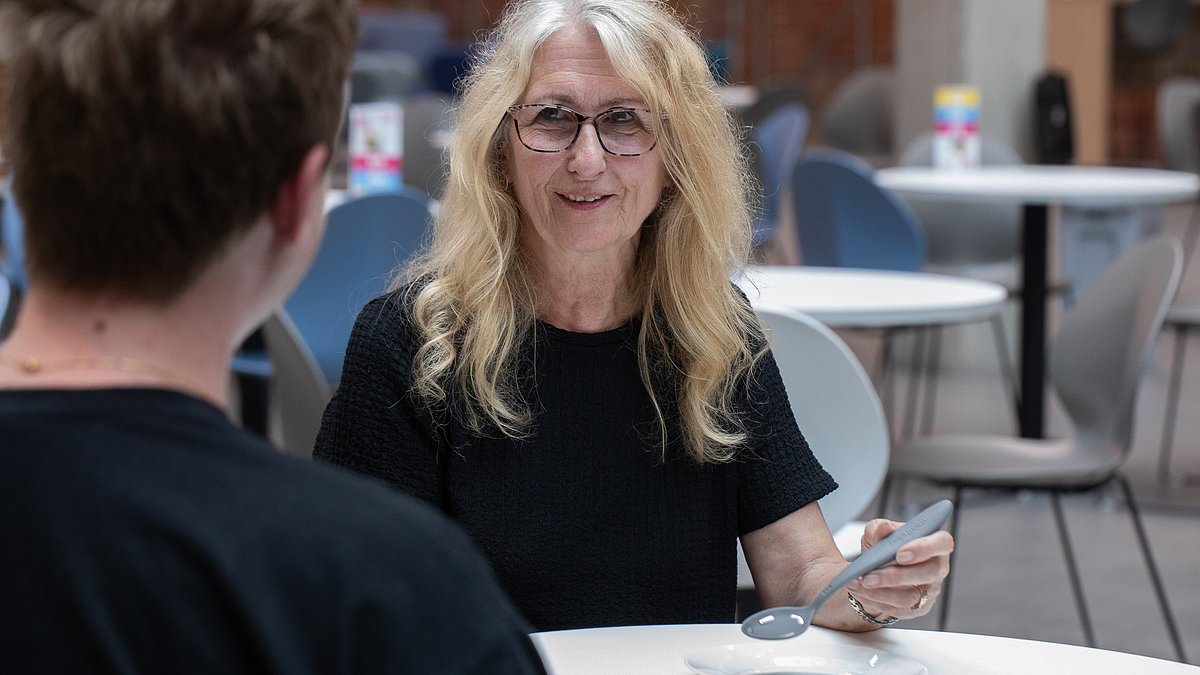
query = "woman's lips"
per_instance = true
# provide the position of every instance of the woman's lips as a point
(584, 205)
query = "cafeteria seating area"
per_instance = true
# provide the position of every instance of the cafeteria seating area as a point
(831, 95)
(1011, 577)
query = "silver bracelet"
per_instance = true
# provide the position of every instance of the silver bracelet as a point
(877, 620)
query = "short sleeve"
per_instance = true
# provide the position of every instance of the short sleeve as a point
(777, 472)
(375, 425)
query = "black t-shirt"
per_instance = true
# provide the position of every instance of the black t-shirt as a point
(143, 533)
(589, 521)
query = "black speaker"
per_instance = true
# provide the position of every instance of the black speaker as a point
(1054, 139)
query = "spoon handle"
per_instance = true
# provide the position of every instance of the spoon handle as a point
(883, 552)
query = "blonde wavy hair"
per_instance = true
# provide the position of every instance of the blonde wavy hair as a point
(472, 297)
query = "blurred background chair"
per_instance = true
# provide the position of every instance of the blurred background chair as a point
(984, 239)
(12, 240)
(844, 219)
(12, 261)
(426, 132)
(446, 66)
(6, 306)
(1097, 361)
(776, 142)
(839, 412)
(1178, 101)
(422, 35)
(367, 241)
(1179, 137)
(384, 76)
(859, 117)
(1153, 25)
(298, 389)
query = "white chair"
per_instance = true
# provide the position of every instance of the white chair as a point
(840, 415)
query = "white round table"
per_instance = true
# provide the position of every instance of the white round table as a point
(1037, 188)
(660, 650)
(872, 298)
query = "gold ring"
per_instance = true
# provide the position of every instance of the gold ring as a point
(923, 600)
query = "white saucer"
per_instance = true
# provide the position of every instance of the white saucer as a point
(791, 658)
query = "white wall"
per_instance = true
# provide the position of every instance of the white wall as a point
(996, 45)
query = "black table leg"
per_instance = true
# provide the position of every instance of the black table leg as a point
(1033, 322)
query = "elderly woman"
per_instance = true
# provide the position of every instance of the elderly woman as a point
(570, 374)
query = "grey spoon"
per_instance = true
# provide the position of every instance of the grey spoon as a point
(779, 623)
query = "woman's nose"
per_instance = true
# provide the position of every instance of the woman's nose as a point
(586, 156)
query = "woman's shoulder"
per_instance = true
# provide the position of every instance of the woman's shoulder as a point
(389, 317)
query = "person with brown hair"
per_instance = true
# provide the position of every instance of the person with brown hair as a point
(170, 157)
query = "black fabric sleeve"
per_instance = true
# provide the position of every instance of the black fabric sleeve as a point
(439, 611)
(777, 472)
(375, 425)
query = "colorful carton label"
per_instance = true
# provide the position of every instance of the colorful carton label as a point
(376, 148)
(956, 143)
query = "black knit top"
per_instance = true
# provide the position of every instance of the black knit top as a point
(585, 523)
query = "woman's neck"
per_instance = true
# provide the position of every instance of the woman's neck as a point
(584, 299)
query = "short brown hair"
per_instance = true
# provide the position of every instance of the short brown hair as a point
(145, 134)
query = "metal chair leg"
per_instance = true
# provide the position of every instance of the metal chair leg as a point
(914, 383)
(944, 601)
(1152, 568)
(1085, 620)
(932, 370)
(1172, 407)
(885, 377)
(1011, 392)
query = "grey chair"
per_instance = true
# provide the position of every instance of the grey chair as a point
(1178, 134)
(858, 118)
(993, 234)
(1179, 137)
(383, 76)
(426, 128)
(1097, 361)
(1153, 25)
(298, 391)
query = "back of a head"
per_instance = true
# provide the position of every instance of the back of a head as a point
(145, 134)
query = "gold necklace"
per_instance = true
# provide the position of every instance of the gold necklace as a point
(32, 365)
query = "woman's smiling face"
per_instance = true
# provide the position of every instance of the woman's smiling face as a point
(581, 202)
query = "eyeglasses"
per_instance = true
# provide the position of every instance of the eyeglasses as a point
(546, 127)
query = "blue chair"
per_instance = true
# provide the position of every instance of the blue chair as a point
(6, 306)
(12, 238)
(778, 138)
(446, 66)
(844, 219)
(366, 242)
(420, 34)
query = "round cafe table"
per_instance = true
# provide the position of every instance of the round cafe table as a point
(843, 297)
(660, 650)
(1037, 188)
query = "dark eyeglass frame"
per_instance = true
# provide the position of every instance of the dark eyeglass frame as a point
(580, 118)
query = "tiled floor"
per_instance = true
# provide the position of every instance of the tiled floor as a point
(1010, 575)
